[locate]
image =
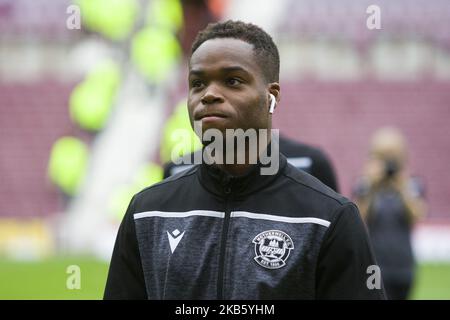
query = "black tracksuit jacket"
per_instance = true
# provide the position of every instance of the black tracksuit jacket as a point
(204, 234)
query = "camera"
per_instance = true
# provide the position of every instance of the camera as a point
(391, 168)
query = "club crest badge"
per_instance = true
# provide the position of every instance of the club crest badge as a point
(272, 248)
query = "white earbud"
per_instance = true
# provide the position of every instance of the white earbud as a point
(273, 102)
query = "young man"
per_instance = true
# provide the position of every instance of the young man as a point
(234, 230)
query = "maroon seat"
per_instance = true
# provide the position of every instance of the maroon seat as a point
(32, 117)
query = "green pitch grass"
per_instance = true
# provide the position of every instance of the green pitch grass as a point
(432, 282)
(48, 279)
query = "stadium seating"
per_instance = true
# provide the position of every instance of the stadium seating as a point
(33, 116)
(340, 117)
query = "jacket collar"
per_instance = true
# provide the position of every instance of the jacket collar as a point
(224, 184)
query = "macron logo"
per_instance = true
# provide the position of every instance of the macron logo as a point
(174, 239)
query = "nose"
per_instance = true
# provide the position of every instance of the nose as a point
(212, 96)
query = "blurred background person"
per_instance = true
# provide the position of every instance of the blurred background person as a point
(391, 202)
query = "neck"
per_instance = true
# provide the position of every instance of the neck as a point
(236, 169)
(239, 169)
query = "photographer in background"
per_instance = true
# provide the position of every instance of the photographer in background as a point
(390, 202)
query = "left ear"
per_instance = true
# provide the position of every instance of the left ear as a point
(274, 88)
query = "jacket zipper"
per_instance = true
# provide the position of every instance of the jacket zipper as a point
(223, 245)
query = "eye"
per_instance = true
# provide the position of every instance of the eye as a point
(196, 83)
(233, 82)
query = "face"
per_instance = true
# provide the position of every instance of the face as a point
(227, 89)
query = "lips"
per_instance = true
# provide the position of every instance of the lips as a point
(210, 116)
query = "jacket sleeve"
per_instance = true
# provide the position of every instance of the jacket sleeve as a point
(125, 276)
(345, 256)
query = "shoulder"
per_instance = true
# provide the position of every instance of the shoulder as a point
(314, 196)
(416, 186)
(308, 183)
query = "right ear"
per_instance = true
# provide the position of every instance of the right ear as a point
(274, 93)
(274, 88)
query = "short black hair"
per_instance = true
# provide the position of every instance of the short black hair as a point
(266, 51)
